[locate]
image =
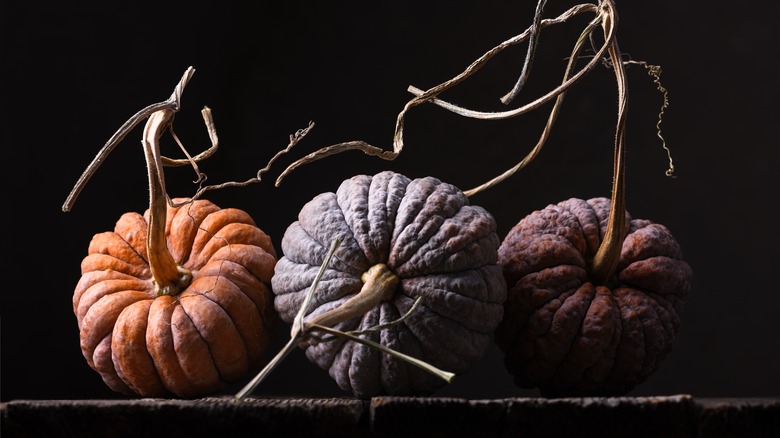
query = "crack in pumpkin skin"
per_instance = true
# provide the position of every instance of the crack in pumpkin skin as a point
(151, 350)
(568, 337)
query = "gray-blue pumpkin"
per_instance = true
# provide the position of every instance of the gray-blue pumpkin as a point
(440, 248)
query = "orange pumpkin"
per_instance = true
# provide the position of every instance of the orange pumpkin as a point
(212, 333)
(178, 300)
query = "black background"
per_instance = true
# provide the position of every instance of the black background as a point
(73, 72)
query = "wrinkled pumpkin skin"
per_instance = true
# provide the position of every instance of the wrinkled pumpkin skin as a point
(441, 248)
(213, 333)
(564, 335)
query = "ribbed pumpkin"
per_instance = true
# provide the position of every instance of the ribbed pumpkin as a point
(569, 336)
(177, 300)
(419, 239)
(213, 333)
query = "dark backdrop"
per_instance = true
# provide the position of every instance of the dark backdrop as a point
(73, 72)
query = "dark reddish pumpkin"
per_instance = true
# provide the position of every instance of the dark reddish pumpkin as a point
(424, 235)
(568, 336)
(211, 334)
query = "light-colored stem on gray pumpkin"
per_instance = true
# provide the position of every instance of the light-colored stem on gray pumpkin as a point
(379, 284)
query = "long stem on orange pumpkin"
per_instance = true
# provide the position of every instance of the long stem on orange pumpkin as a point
(169, 277)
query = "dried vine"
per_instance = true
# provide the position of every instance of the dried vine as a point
(170, 106)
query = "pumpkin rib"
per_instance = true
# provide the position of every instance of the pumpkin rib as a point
(213, 223)
(393, 373)
(101, 361)
(101, 316)
(590, 347)
(192, 352)
(628, 357)
(454, 345)
(435, 259)
(675, 284)
(636, 247)
(537, 328)
(255, 260)
(219, 331)
(587, 224)
(294, 299)
(386, 190)
(417, 381)
(565, 322)
(89, 279)
(291, 283)
(229, 235)
(251, 286)
(580, 301)
(654, 342)
(161, 347)
(323, 353)
(352, 198)
(669, 307)
(323, 221)
(403, 308)
(241, 312)
(409, 238)
(113, 245)
(547, 251)
(363, 357)
(471, 305)
(105, 288)
(308, 247)
(600, 372)
(184, 223)
(131, 227)
(132, 361)
(105, 262)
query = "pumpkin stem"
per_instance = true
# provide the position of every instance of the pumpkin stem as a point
(608, 255)
(169, 277)
(379, 284)
(379, 327)
(533, 41)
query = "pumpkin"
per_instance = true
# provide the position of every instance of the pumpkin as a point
(569, 336)
(212, 333)
(422, 243)
(177, 300)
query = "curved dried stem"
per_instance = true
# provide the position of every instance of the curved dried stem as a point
(654, 71)
(294, 140)
(380, 327)
(444, 375)
(337, 149)
(550, 119)
(302, 331)
(427, 95)
(171, 106)
(533, 41)
(208, 119)
(297, 329)
(430, 94)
